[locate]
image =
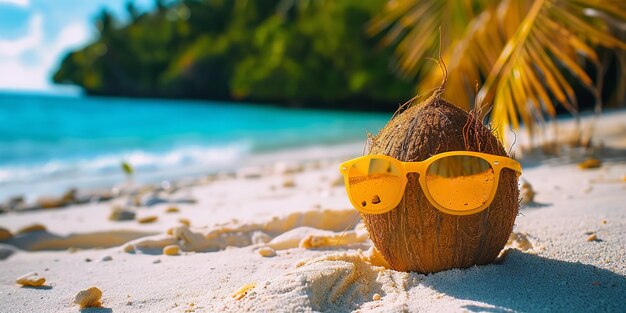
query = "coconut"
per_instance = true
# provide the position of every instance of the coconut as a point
(415, 236)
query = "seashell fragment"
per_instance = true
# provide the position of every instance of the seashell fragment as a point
(89, 298)
(31, 279)
(243, 291)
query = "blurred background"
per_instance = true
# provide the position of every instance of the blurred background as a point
(189, 87)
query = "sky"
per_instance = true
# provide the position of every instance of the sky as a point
(36, 34)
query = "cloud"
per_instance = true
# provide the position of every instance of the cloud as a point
(22, 3)
(33, 37)
(27, 62)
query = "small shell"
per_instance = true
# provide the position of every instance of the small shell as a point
(243, 291)
(89, 298)
(171, 250)
(267, 252)
(376, 297)
(148, 219)
(31, 279)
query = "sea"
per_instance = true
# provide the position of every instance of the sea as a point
(50, 143)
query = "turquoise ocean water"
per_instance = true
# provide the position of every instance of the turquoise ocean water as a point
(50, 143)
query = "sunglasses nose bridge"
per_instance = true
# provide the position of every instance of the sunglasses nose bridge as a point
(413, 167)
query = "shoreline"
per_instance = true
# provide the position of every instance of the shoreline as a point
(106, 186)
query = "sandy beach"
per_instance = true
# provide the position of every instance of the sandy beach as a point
(270, 238)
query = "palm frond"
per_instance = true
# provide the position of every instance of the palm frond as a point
(405, 21)
(524, 54)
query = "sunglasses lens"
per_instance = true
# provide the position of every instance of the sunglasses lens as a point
(460, 183)
(374, 185)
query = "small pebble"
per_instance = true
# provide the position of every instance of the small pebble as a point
(87, 260)
(301, 278)
(89, 298)
(106, 258)
(129, 248)
(376, 297)
(31, 228)
(121, 214)
(527, 193)
(172, 209)
(337, 182)
(184, 221)
(267, 252)
(592, 237)
(5, 234)
(157, 261)
(590, 163)
(171, 250)
(148, 219)
(31, 279)
(519, 241)
(502, 256)
(289, 183)
(166, 184)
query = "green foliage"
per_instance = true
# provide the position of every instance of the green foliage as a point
(293, 52)
(127, 168)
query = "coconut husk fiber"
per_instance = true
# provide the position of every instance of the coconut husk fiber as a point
(417, 237)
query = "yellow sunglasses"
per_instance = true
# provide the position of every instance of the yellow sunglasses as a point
(456, 182)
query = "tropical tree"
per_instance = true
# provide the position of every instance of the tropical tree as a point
(527, 57)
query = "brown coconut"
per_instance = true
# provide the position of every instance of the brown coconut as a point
(415, 236)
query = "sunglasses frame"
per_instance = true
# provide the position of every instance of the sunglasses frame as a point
(497, 164)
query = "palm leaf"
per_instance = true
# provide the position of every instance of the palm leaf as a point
(524, 54)
(404, 23)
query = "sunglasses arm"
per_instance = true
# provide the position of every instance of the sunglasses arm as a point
(512, 164)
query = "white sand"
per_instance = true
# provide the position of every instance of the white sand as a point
(236, 217)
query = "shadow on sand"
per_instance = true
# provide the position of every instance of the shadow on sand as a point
(606, 154)
(44, 240)
(96, 310)
(42, 287)
(530, 283)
